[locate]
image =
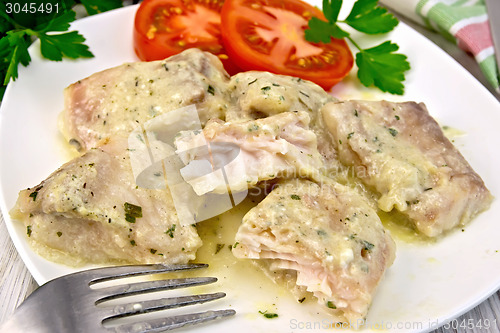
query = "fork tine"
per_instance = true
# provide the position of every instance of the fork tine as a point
(124, 290)
(170, 323)
(117, 272)
(134, 308)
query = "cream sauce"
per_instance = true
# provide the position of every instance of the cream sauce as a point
(248, 288)
(235, 276)
(402, 229)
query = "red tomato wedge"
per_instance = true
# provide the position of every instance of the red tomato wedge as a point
(163, 28)
(268, 35)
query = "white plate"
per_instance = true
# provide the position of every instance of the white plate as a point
(428, 283)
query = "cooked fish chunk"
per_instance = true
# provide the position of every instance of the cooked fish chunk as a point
(256, 95)
(90, 211)
(260, 94)
(249, 152)
(327, 239)
(400, 151)
(116, 100)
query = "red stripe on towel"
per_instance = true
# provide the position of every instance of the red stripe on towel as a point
(474, 37)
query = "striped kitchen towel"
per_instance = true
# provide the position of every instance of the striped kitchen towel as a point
(462, 21)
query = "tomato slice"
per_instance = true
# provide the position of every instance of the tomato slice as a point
(268, 35)
(166, 27)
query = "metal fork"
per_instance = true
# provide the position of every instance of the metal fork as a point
(69, 304)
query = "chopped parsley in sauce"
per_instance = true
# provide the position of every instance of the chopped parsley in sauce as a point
(35, 193)
(330, 305)
(170, 231)
(268, 315)
(393, 131)
(219, 247)
(132, 212)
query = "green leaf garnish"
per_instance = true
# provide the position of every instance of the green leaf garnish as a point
(18, 32)
(14, 51)
(70, 45)
(59, 23)
(369, 18)
(331, 9)
(321, 31)
(378, 66)
(381, 67)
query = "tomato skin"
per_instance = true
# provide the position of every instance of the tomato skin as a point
(252, 34)
(163, 28)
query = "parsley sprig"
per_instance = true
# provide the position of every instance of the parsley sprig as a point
(378, 66)
(19, 30)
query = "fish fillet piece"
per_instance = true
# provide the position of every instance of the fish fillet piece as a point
(116, 100)
(257, 95)
(90, 211)
(400, 151)
(326, 240)
(248, 152)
